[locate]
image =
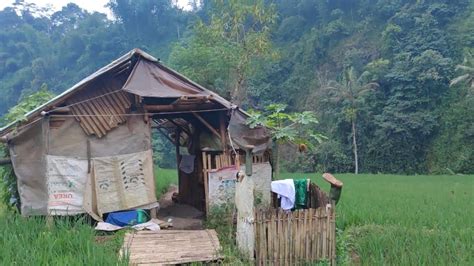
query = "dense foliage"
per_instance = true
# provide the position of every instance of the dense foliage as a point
(288, 52)
(296, 129)
(8, 188)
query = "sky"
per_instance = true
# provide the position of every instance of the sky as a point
(89, 5)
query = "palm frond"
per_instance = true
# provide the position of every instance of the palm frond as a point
(459, 80)
(465, 68)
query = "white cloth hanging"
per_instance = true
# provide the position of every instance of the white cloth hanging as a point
(286, 191)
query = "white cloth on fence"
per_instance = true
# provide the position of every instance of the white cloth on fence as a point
(286, 191)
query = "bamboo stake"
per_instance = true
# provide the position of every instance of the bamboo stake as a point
(209, 162)
(313, 234)
(305, 232)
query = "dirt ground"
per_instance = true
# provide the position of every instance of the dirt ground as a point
(182, 216)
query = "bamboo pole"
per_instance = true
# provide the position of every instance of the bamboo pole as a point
(212, 129)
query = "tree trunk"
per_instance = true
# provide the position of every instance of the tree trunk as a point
(277, 160)
(354, 144)
(236, 95)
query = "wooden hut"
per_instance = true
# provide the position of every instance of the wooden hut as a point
(89, 148)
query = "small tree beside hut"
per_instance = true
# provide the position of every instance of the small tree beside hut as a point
(296, 128)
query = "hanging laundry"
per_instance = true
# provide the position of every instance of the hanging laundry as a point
(187, 163)
(286, 191)
(301, 194)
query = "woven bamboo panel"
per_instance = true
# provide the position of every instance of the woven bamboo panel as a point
(99, 111)
(171, 247)
(301, 237)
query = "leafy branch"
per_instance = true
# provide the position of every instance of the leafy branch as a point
(294, 128)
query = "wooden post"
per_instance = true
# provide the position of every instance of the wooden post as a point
(88, 147)
(177, 108)
(222, 130)
(153, 213)
(212, 129)
(177, 137)
(206, 192)
(248, 160)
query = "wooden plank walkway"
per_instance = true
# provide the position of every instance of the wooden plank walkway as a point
(171, 247)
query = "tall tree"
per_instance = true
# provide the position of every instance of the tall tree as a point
(349, 92)
(234, 41)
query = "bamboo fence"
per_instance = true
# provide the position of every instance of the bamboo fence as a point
(301, 237)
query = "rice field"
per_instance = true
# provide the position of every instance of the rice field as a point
(404, 220)
(67, 242)
(163, 179)
(382, 220)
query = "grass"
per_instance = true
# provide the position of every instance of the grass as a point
(405, 220)
(382, 220)
(67, 242)
(29, 241)
(163, 179)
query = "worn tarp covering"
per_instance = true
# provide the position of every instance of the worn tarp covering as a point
(31, 147)
(149, 80)
(66, 178)
(123, 181)
(244, 136)
(90, 197)
(70, 140)
(27, 149)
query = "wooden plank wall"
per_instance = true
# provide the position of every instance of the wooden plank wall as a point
(295, 238)
(216, 160)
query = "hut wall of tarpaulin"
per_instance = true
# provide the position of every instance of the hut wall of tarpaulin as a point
(27, 152)
(32, 148)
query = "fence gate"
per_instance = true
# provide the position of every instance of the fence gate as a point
(295, 238)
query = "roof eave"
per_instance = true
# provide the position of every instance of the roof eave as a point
(37, 111)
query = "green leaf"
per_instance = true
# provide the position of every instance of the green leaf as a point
(319, 137)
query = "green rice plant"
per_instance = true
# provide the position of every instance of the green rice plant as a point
(405, 220)
(163, 179)
(69, 241)
(29, 241)
(381, 220)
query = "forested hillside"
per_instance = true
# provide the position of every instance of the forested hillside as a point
(391, 82)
